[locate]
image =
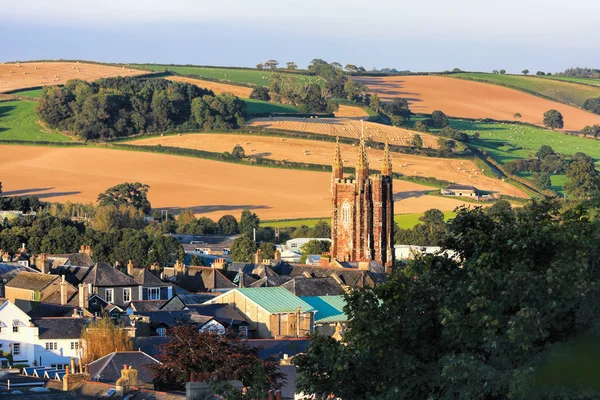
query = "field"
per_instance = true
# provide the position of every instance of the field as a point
(351, 112)
(209, 188)
(404, 221)
(217, 87)
(246, 76)
(469, 99)
(37, 93)
(258, 107)
(561, 90)
(28, 75)
(18, 122)
(314, 152)
(345, 128)
(574, 79)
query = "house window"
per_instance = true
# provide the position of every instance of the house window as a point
(32, 298)
(161, 331)
(74, 345)
(244, 332)
(15, 325)
(16, 349)
(109, 295)
(154, 293)
(51, 346)
(126, 295)
(94, 301)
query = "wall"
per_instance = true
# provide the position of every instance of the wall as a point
(25, 336)
(118, 293)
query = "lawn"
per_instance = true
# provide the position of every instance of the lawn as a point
(18, 121)
(247, 76)
(404, 221)
(561, 90)
(37, 93)
(259, 107)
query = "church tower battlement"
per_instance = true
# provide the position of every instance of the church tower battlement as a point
(362, 219)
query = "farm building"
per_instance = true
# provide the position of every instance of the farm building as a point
(460, 190)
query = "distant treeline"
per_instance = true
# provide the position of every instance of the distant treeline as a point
(581, 72)
(121, 107)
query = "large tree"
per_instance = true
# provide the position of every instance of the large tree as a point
(553, 119)
(316, 247)
(583, 179)
(474, 327)
(101, 337)
(592, 105)
(248, 222)
(130, 194)
(228, 225)
(243, 249)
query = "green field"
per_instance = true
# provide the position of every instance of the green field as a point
(246, 76)
(561, 90)
(37, 93)
(404, 221)
(573, 79)
(18, 122)
(259, 107)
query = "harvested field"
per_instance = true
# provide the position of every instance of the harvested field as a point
(346, 128)
(350, 112)
(210, 188)
(32, 74)
(309, 151)
(468, 99)
(216, 87)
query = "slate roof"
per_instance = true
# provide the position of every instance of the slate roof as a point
(226, 314)
(90, 390)
(275, 299)
(271, 281)
(150, 344)
(195, 298)
(147, 305)
(32, 280)
(73, 274)
(352, 277)
(147, 278)
(9, 270)
(108, 368)
(76, 259)
(204, 279)
(302, 287)
(72, 298)
(279, 347)
(104, 275)
(460, 187)
(51, 310)
(257, 271)
(329, 308)
(60, 328)
(173, 318)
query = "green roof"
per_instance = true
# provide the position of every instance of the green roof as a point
(329, 308)
(275, 299)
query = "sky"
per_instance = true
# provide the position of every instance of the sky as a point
(418, 35)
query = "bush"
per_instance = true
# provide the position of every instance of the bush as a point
(438, 120)
(421, 127)
(592, 105)
(260, 93)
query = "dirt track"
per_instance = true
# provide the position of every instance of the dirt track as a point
(26, 75)
(463, 98)
(458, 171)
(216, 87)
(347, 128)
(208, 187)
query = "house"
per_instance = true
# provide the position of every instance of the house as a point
(296, 244)
(349, 276)
(303, 287)
(272, 312)
(408, 252)
(10, 270)
(329, 313)
(28, 287)
(108, 368)
(46, 341)
(204, 279)
(152, 287)
(460, 190)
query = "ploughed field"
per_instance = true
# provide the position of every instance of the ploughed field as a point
(217, 87)
(209, 188)
(470, 99)
(316, 152)
(346, 128)
(15, 76)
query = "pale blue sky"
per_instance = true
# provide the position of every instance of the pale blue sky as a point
(426, 35)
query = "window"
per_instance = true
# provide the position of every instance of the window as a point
(94, 301)
(74, 345)
(51, 346)
(126, 295)
(161, 331)
(346, 214)
(15, 325)
(16, 349)
(32, 298)
(153, 293)
(244, 332)
(109, 295)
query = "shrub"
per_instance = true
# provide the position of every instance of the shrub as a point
(260, 93)
(592, 105)
(421, 127)
(438, 119)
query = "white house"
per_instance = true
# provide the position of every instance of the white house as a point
(296, 244)
(45, 341)
(408, 252)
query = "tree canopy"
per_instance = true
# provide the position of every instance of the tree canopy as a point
(553, 119)
(129, 194)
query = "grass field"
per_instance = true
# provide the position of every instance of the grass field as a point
(404, 221)
(18, 122)
(259, 107)
(562, 90)
(247, 76)
(37, 93)
(573, 79)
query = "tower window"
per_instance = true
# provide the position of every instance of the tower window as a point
(346, 214)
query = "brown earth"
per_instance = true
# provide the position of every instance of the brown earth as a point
(32, 74)
(346, 128)
(209, 188)
(350, 112)
(216, 87)
(468, 99)
(309, 151)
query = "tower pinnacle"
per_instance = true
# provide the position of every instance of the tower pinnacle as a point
(363, 163)
(386, 163)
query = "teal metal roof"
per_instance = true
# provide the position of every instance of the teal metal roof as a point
(275, 299)
(329, 308)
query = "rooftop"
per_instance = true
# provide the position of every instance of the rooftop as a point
(60, 328)
(275, 299)
(104, 275)
(32, 280)
(329, 308)
(108, 368)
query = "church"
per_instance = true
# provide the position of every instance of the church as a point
(362, 220)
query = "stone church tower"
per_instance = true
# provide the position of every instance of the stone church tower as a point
(362, 221)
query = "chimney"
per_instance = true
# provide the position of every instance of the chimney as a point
(6, 256)
(258, 257)
(364, 265)
(130, 268)
(63, 291)
(219, 263)
(43, 264)
(277, 255)
(86, 250)
(83, 296)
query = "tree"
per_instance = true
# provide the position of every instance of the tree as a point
(317, 247)
(243, 249)
(476, 328)
(238, 152)
(228, 225)
(398, 107)
(259, 66)
(417, 141)
(260, 93)
(291, 65)
(321, 230)
(525, 71)
(591, 130)
(421, 127)
(132, 194)
(248, 222)
(502, 71)
(267, 250)
(351, 68)
(445, 144)
(544, 151)
(542, 180)
(438, 120)
(476, 135)
(495, 72)
(271, 64)
(540, 73)
(553, 119)
(375, 103)
(191, 351)
(517, 115)
(583, 179)
(101, 337)
(592, 105)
